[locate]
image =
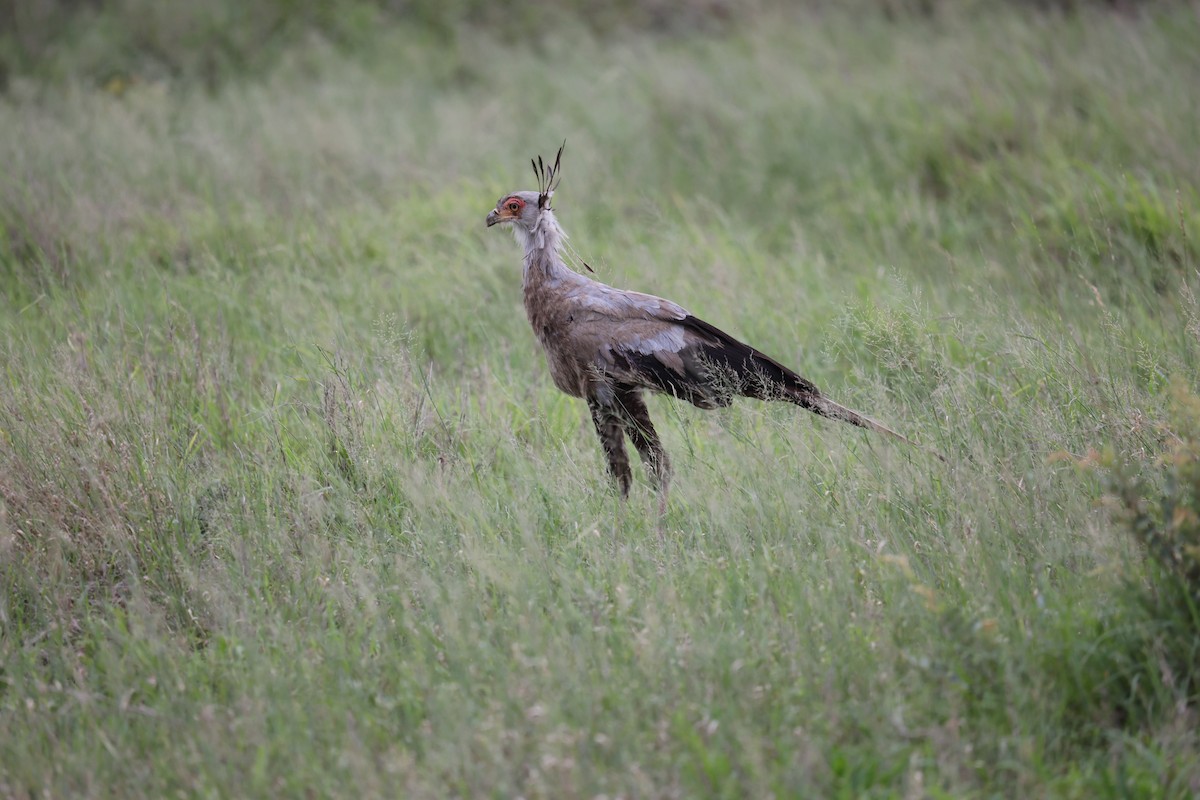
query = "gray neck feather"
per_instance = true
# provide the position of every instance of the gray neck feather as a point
(542, 243)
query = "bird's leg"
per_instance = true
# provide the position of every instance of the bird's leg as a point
(649, 446)
(611, 429)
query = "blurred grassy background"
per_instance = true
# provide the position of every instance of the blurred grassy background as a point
(220, 40)
(289, 506)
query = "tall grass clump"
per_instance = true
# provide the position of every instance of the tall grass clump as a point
(1157, 648)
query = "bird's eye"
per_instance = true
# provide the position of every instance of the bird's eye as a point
(513, 206)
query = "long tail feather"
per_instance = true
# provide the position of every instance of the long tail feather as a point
(825, 407)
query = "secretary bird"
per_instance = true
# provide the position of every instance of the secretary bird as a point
(607, 345)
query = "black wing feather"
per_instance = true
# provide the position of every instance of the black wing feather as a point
(751, 373)
(754, 373)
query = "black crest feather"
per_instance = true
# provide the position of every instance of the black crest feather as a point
(547, 177)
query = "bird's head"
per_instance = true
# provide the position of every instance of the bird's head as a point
(525, 209)
(518, 208)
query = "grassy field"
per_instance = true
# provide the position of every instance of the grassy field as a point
(289, 505)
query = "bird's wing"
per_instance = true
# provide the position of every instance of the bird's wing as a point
(648, 341)
(619, 305)
(642, 340)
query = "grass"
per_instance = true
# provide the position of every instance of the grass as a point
(289, 506)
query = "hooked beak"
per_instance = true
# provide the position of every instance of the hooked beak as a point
(492, 218)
